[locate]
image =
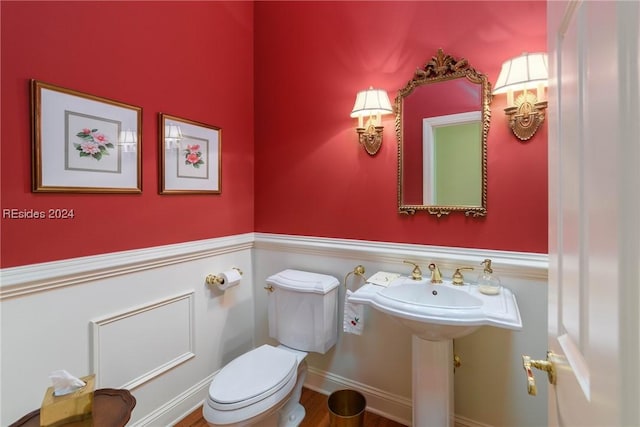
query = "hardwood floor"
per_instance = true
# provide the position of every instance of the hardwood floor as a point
(315, 404)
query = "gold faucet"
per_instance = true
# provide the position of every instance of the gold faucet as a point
(458, 278)
(416, 273)
(436, 277)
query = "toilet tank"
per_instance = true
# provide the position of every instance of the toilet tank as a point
(303, 310)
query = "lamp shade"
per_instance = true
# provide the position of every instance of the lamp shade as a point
(525, 71)
(172, 132)
(128, 140)
(371, 101)
(128, 137)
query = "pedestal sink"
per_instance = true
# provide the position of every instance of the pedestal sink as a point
(436, 314)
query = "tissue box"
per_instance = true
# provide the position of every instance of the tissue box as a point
(75, 406)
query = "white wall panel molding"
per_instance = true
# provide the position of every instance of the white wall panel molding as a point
(135, 319)
(179, 407)
(521, 264)
(157, 296)
(135, 346)
(33, 278)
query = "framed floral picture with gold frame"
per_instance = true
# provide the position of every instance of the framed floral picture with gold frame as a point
(190, 156)
(83, 143)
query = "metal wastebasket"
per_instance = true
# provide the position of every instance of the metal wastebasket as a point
(346, 409)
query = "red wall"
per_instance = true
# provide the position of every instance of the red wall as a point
(312, 177)
(192, 60)
(302, 63)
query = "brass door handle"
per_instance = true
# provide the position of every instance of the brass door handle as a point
(457, 362)
(543, 365)
(269, 288)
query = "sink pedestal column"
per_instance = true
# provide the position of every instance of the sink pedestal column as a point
(432, 383)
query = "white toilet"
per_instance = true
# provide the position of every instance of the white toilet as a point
(262, 387)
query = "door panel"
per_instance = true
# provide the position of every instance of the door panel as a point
(593, 241)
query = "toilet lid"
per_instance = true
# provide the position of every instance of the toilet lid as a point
(253, 376)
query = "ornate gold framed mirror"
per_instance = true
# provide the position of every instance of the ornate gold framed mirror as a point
(442, 122)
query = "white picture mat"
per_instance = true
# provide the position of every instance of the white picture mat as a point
(53, 105)
(178, 181)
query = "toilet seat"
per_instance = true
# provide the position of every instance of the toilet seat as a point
(253, 377)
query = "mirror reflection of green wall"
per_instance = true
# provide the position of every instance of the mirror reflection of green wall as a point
(452, 158)
(457, 177)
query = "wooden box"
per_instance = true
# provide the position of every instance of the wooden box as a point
(75, 406)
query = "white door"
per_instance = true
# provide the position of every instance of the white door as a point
(594, 213)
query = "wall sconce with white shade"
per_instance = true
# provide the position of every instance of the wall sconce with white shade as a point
(172, 136)
(128, 141)
(372, 103)
(524, 73)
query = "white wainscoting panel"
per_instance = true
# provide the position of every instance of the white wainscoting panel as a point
(137, 318)
(133, 347)
(489, 385)
(179, 407)
(141, 319)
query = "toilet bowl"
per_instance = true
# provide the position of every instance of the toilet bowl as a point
(263, 386)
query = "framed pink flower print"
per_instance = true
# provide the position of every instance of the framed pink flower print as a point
(83, 143)
(189, 156)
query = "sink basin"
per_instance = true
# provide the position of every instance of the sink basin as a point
(430, 295)
(438, 312)
(427, 296)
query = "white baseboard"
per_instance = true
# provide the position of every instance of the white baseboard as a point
(380, 402)
(388, 405)
(461, 421)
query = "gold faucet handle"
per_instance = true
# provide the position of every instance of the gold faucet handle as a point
(416, 273)
(458, 278)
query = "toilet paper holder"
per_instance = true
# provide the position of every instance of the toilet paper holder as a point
(218, 279)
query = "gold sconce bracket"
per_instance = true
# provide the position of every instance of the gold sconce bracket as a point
(523, 73)
(371, 103)
(370, 138)
(526, 116)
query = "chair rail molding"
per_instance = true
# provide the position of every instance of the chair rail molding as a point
(33, 278)
(522, 264)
